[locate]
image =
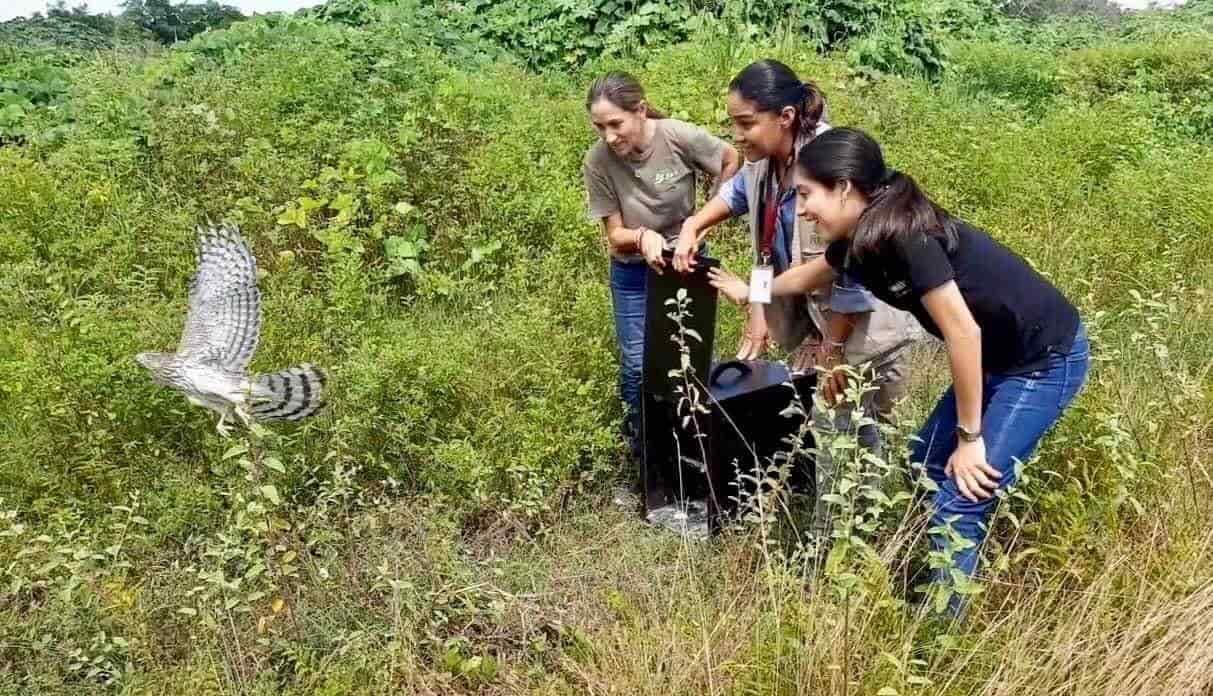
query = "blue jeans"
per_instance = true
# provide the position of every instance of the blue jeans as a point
(1017, 411)
(628, 289)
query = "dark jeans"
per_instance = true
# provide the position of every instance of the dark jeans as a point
(1017, 411)
(628, 286)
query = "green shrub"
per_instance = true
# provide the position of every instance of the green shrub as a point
(1023, 75)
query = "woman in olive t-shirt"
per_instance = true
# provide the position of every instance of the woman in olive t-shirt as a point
(640, 183)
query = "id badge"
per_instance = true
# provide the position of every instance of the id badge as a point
(760, 284)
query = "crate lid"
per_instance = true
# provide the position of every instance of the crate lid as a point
(733, 378)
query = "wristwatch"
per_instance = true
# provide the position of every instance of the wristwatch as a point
(966, 435)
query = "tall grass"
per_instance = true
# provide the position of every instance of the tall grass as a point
(444, 527)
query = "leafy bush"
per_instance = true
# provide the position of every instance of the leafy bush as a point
(169, 23)
(1046, 9)
(902, 37)
(33, 91)
(1025, 75)
(1178, 78)
(74, 30)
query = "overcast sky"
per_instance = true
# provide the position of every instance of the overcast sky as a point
(17, 8)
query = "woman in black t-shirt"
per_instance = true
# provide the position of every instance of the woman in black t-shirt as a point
(1016, 346)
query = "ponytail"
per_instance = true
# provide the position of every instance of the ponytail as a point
(773, 86)
(812, 110)
(897, 207)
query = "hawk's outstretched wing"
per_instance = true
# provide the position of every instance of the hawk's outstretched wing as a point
(224, 319)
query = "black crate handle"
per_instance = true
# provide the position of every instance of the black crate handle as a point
(740, 365)
(702, 263)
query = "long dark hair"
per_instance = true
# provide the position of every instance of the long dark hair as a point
(622, 90)
(773, 86)
(896, 206)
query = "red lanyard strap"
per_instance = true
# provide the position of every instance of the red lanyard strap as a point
(769, 219)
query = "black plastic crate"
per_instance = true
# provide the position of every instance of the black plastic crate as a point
(690, 454)
(668, 446)
(749, 431)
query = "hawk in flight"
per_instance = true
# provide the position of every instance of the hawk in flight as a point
(221, 331)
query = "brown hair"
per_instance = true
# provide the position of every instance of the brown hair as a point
(622, 90)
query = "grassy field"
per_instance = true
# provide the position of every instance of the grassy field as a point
(446, 525)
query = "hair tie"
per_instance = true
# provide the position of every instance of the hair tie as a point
(889, 175)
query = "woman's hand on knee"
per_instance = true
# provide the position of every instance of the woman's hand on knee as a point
(974, 476)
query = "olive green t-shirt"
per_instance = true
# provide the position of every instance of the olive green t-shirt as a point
(657, 189)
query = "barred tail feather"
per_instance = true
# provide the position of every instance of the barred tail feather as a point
(291, 394)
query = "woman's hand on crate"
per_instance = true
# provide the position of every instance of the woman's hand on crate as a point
(754, 337)
(729, 285)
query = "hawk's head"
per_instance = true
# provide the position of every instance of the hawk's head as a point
(161, 365)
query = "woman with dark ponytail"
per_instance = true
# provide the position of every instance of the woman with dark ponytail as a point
(775, 115)
(1017, 348)
(640, 183)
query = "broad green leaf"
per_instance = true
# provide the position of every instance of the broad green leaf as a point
(270, 493)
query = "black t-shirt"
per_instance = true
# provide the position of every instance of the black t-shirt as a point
(1021, 315)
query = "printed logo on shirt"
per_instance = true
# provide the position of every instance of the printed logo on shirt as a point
(665, 177)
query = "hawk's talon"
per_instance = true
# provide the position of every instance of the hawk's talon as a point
(244, 417)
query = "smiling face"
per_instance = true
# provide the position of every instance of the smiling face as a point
(835, 209)
(760, 134)
(623, 131)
